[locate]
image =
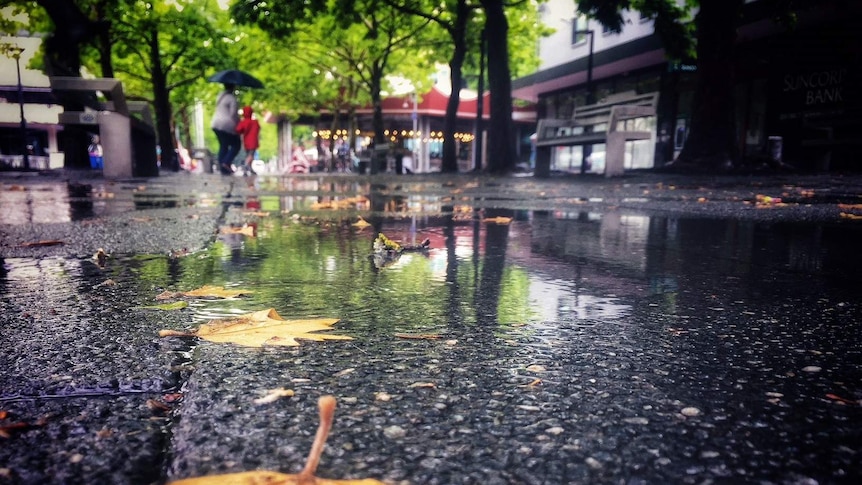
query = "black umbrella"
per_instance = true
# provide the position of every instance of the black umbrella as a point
(235, 77)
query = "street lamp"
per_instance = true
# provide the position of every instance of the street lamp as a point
(14, 51)
(587, 150)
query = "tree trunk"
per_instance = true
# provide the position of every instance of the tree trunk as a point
(711, 144)
(501, 141)
(161, 96)
(449, 163)
(63, 58)
(377, 120)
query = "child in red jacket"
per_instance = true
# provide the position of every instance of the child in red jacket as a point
(249, 129)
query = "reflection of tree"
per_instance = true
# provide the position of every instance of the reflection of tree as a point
(493, 264)
(453, 303)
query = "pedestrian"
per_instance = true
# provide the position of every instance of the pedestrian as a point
(224, 121)
(95, 152)
(249, 128)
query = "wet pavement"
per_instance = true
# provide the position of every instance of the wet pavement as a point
(644, 329)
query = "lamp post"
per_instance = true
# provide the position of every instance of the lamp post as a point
(14, 51)
(591, 98)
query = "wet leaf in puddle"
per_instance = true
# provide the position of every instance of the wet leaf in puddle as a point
(245, 230)
(326, 405)
(100, 257)
(418, 336)
(261, 328)
(361, 223)
(43, 243)
(497, 220)
(206, 291)
(177, 305)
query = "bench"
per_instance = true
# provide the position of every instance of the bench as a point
(125, 127)
(609, 121)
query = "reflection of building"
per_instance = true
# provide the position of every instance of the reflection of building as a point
(799, 83)
(416, 123)
(40, 110)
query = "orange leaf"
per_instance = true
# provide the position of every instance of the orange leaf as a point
(245, 230)
(326, 404)
(498, 220)
(260, 329)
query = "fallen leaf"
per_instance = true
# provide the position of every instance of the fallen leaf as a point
(206, 291)
(361, 223)
(535, 383)
(177, 305)
(423, 384)
(245, 230)
(498, 220)
(326, 404)
(536, 368)
(418, 336)
(843, 400)
(383, 244)
(274, 395)
(100, 257)
(52, 242)
(261, 328)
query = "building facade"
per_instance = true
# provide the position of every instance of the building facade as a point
(796, 87)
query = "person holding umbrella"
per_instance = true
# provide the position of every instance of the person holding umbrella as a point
(224, 121)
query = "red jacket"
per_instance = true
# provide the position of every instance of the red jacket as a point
(249, 128)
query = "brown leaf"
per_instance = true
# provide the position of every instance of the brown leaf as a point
(43, 243)
(418, 336)
(262, 328)
(326, 404)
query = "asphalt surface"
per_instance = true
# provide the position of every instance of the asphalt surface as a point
(89, 394)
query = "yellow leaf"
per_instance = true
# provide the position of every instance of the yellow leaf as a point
(215, 292)
(498, 220)
(262, 328)
(361, 223)
(326, 404)
(206, 291)
(245, 230)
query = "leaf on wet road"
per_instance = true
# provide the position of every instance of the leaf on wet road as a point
(274, 395)
(43, 243)
(418, 336)
(326, 404)
(261, 328)
(245, 230)
(177, 305)
(206, 291)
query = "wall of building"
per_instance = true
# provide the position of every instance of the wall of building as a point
(559, 48)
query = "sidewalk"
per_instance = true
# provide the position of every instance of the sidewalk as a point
(99, 398)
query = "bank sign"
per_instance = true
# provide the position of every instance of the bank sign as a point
(817, 88)
(825, 91)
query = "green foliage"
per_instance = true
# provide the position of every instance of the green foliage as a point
(672, 20)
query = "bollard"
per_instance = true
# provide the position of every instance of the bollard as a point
(774, 147)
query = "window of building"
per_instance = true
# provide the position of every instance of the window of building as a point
(579, 28)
